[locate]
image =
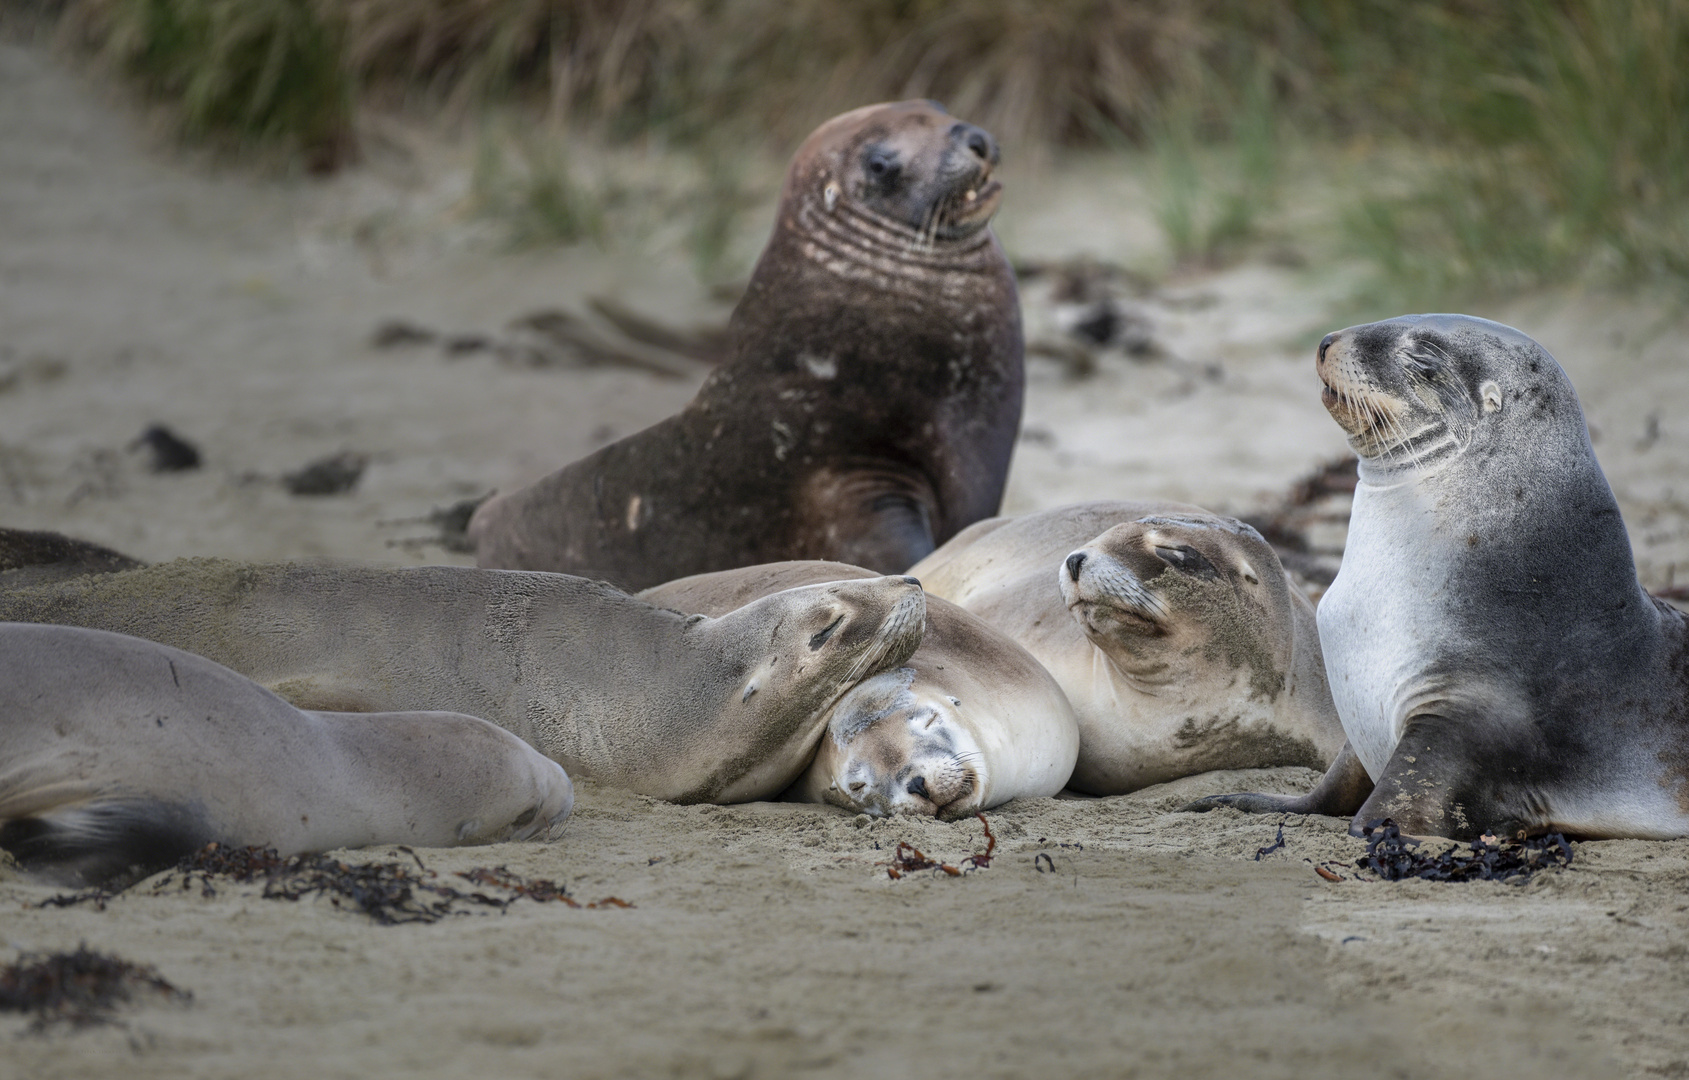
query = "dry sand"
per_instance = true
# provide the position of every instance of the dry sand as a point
(138, 287)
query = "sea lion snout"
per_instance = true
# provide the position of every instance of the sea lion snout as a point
(977, 140)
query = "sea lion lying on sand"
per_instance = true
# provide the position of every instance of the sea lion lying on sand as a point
(1497, 665)
(119, 756)
(970, 722)
(871, 400)
(691, 709)
(1174, 632)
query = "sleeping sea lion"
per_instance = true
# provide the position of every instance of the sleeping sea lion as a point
(1496, 663)
(872, 395)
(118, 756)
(688, 709)
(970, 722)
(1175, 633)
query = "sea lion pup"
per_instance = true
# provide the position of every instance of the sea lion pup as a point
(119, 756)
(872, 395)
(34, 558)
(970, 722)
(1174, 632)
(1497, 665)
(687, 709)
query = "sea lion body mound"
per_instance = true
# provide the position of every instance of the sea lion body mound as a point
(118, 754)
(1496, 663)
(1174, 632)
(970, 722)
(687, 709)
(871, 400)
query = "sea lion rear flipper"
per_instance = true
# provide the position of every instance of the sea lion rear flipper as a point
(111, 842)
(1341, 792)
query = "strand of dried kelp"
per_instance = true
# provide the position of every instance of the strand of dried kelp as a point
(78, 988)
(1395, 857)
(391, 893)
(908, 859)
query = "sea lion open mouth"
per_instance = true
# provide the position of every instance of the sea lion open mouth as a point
(969, 209)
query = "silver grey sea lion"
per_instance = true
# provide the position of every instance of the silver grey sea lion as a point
(1174, 632)
(970, 722)
(872, 395)
(120, 756)
(690, 709)
(1497, 665)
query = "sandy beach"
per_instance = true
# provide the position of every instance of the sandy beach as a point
(1108, 937)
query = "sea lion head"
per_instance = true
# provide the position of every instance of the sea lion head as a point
(895, 745)
(1420, 390)
(908, 165)
(817, 642)
(1174, 601)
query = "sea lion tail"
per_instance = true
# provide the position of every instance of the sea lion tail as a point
(104, 843)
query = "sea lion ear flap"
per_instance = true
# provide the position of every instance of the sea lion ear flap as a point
(830, 195)
(1490, 395)
(871, 701)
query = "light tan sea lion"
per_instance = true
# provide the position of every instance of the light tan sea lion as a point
(119, 756)
(1497, 665)
(1174, 632)
(870, 401)
(970, 722)
(689, 709)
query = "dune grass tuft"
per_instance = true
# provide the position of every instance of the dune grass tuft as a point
(1547, 136)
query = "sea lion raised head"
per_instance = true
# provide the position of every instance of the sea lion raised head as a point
(908, 164)
(1150, 591)
(870, 403)
(1419, 390)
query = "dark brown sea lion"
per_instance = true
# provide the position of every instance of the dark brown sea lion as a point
(871, 401)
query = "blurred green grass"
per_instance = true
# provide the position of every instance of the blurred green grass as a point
(1524, 143)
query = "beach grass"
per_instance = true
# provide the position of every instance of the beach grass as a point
(1546, 137)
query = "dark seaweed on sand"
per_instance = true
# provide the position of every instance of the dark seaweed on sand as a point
(79, 988)
(391, 893)
(1395, 857)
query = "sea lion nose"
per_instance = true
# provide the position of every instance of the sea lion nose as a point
(1074, 562)
(915, 581)
(1325, 343)
(918, 786)
(977, 140)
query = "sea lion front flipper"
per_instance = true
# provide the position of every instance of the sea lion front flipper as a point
(1436, 783)
(1341, 792)
(878, 519)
